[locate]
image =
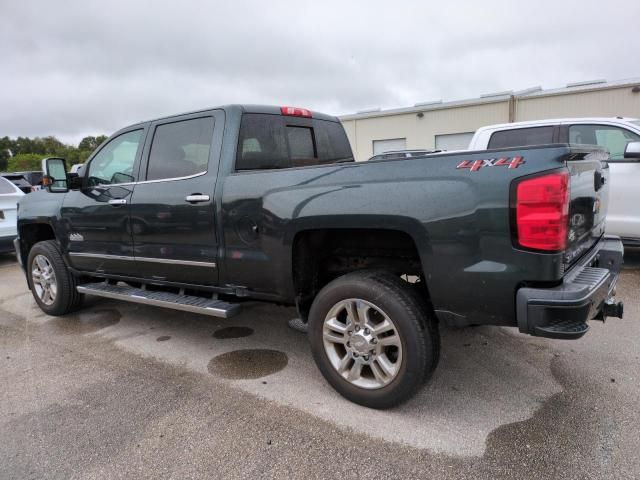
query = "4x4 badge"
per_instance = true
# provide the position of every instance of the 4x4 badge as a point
(475, 165)
(76, 237)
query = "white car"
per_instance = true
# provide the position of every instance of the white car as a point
(9, 197)
(618, 135)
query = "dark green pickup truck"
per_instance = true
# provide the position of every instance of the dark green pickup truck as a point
(201, 211)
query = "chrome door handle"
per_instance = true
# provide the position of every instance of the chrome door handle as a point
(195, 198)
(118, 201)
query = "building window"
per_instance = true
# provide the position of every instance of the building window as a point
(381, 146)
(453, 141)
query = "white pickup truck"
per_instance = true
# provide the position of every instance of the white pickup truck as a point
(620, 136)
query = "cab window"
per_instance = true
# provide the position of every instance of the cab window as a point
(612, 138)
(521, 137)
(180, 149)
(271, 142)
(301, 145)
(114, 163)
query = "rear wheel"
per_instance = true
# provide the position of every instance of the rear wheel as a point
(372, 338)
(52, 285)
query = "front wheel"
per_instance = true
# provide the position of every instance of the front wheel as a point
(52, 285)
(373, 338)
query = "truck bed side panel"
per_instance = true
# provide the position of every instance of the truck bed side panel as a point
(458, 218)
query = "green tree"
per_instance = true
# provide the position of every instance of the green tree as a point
(25, 161)
(91, 143)
(24, 153)
(25, 145)
(5, 152)
(88, 143)
(50, 144)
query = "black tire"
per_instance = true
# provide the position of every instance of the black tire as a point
(413, 322)
(67, 299)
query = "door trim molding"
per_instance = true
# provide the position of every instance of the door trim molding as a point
(158, 180)
(166, 261)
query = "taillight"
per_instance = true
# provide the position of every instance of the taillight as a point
(542, 212)
(295, 112)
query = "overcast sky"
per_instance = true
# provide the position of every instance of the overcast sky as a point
(72, 69)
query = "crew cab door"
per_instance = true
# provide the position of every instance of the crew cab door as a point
(173, 209)
(96, 217)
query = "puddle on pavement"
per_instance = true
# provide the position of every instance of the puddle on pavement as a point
(86, 322)
(163, 338)
(248, 364)
(232, 332)
(565, 421)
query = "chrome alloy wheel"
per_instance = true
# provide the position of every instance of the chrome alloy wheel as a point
(362, 343)
(44, 280)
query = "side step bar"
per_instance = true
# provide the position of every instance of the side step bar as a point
(186, 303)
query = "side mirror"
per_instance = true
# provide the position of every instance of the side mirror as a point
(55, 175)
(632, 151)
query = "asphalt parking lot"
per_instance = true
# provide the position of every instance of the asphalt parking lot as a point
(125, 391)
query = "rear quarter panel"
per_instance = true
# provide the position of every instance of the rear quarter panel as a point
(459, 220)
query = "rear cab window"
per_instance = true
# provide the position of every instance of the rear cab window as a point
(271, 141)
(521, 137)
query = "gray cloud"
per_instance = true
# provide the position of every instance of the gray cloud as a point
(75, 68)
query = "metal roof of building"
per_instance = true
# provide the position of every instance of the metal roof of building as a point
(586, 86)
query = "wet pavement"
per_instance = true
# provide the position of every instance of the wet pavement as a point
(126, 391)
(248, 364)
(232, 332)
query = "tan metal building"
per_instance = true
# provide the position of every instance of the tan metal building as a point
(450, 125)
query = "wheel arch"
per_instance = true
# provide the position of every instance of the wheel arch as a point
(32, 233)
(319, 255)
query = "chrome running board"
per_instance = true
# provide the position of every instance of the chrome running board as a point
(186, 303)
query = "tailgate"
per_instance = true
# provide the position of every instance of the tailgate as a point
(589, 197)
